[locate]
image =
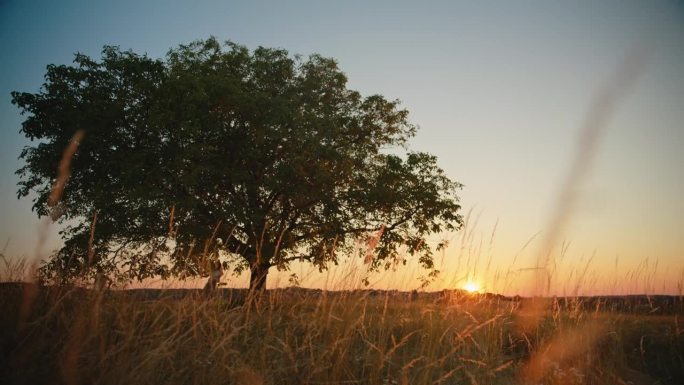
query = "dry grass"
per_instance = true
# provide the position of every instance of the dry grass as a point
(294, 336)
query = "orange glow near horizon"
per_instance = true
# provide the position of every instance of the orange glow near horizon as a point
(574, 273)
(471, 287)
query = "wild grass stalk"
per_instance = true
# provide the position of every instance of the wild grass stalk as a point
(296, 336)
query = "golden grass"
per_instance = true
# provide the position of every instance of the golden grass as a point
(295, 336)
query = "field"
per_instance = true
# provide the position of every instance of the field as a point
(298, 336)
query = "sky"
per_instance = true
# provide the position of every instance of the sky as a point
(500, 90)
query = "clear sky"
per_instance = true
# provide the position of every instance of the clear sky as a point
(500, 90)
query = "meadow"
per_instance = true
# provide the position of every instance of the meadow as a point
(76, 335)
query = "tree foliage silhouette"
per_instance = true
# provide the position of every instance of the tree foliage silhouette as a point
(254, 158)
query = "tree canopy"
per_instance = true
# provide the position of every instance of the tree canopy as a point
(254, 158)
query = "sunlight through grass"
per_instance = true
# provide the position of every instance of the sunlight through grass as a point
(471, 287)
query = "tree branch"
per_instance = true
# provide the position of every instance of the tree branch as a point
(307, 258)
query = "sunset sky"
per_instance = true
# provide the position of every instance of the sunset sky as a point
(500, 90)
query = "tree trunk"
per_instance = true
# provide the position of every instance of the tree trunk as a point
(257, 279)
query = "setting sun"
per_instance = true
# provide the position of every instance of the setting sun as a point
(471, 287)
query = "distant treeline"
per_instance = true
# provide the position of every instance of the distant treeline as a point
(636, 304)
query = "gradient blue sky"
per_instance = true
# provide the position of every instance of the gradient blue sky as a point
(499, 89)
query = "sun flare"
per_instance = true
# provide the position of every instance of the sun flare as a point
(471, 287)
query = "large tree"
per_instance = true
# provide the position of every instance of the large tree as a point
(255, 158)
